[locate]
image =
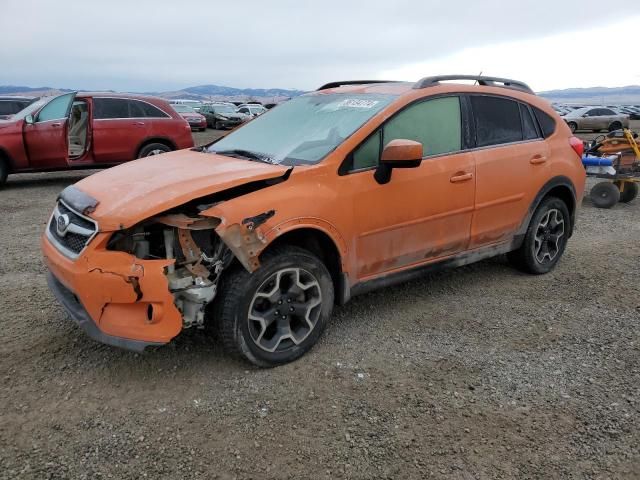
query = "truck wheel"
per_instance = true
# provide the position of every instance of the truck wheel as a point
(277, 313)
(153, 149)
(615, 126)
(604, 195)
(546, 238)
(573, 126)
(629, 193)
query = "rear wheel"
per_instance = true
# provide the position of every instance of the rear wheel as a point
(153, 149)
(604, 195)
(573, 126)
(546, 238)
(629, 192)
(615, 126)
(277, 313)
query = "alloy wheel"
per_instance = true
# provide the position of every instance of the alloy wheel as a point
(285, 309)
(156, 151)
(549, 233)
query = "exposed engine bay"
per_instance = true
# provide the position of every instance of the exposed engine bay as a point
(199, 253)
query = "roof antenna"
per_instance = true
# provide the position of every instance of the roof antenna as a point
(480, 74)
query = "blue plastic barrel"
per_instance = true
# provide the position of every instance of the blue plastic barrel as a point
(593, 161)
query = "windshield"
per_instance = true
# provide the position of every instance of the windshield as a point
(303, 130)
(30, 109)
(223, 109)
(183, 109)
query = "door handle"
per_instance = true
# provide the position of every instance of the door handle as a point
(138, 123)
(461, 177)
(56, 124)
(537, 159)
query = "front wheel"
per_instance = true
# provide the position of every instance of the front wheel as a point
(573, 126)
(546, 238)
(153, 149)
(277, 313)
(4, 172)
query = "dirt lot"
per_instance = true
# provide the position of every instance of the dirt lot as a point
(480, 372)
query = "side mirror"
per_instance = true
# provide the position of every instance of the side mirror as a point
(399, 153)
(29, 120)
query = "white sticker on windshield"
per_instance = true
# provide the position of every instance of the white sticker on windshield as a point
(356, 103)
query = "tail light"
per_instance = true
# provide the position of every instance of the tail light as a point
(577, 146)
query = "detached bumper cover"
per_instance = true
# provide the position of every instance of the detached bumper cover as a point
(80, 316)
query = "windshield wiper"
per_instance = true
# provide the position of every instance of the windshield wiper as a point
(248, 154)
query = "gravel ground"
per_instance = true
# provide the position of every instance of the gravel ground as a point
(480, 372)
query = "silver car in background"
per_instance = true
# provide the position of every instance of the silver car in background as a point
(596, 119)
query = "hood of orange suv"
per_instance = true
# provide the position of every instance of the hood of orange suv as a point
(135, 191)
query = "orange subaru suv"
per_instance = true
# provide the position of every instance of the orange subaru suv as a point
(352, 187)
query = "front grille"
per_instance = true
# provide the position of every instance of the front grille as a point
(69, 231)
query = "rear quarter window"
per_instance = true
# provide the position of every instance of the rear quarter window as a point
(547, 122)
(138, 108)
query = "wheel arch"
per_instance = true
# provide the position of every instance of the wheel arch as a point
(164, 140)
(561, 187)
(6, 159)
(326, 245)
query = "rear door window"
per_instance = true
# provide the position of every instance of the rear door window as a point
(110, 108)
(496, 120)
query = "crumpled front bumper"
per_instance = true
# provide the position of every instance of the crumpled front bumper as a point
(114, 297)
(80, 316)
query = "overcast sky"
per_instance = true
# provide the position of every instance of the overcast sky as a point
(154, 45)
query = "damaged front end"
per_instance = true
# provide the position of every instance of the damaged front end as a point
(196, 252)
(141, 285)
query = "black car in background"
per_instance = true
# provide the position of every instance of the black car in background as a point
(10, 105)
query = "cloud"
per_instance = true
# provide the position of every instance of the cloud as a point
(158, 45)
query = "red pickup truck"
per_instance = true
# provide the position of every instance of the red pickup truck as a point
(89, 130)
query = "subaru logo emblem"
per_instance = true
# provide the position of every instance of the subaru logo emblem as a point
(62, 224)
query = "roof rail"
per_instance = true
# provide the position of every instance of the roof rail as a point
(485, 81)
(353, 82)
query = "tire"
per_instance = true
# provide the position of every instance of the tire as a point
(216, 126)
(629, 193)
(615, 126)
(153, 149)
(573, 126)
(242, 306)
(4, 171)
(545, 240)
(604, 195)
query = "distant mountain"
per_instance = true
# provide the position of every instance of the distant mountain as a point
(251, 92)
(14, 89)
(200, 92)
(595, 95)
(591, 96)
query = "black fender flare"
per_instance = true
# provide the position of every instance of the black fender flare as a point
(559, 184)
